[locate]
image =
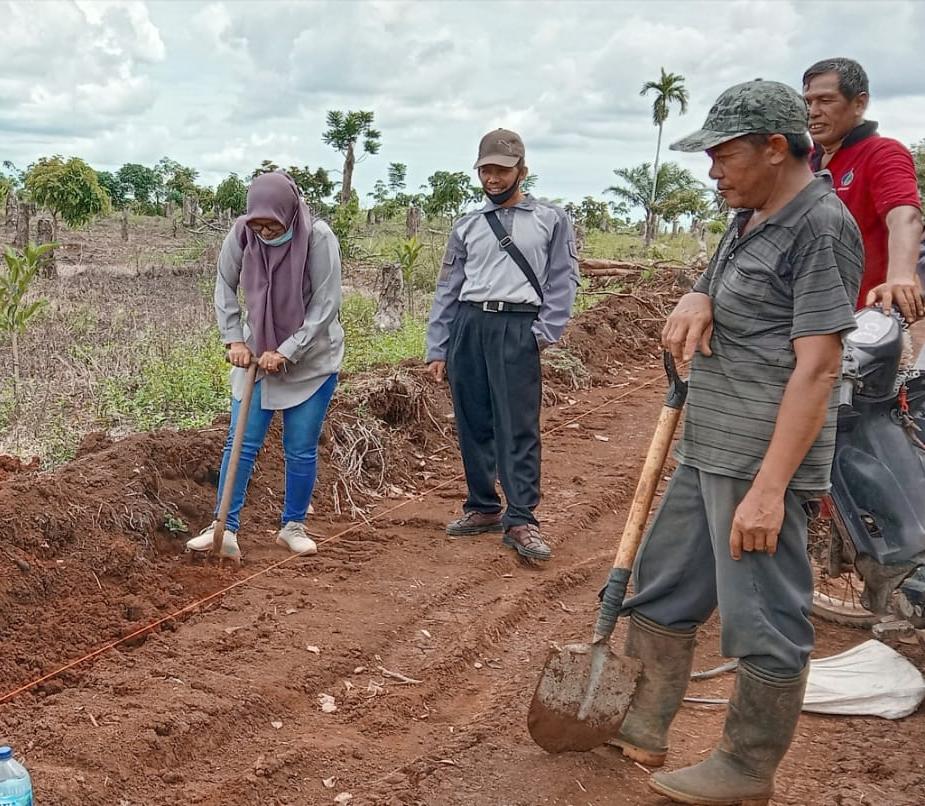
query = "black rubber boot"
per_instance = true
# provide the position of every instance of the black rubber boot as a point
(667, 657)
(760, 723)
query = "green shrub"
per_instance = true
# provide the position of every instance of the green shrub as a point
(366, 347)
(186, 386)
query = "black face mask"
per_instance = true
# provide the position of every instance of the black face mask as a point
(504, 195)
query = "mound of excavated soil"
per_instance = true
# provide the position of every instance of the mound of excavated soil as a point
(103, 535)
(11, 465)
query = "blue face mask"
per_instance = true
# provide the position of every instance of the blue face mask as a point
(284, 238)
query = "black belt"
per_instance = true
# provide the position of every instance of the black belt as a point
(498, 306)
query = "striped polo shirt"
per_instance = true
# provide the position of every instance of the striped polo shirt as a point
(795, 275)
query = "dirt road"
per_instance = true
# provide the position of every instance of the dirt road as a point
(223, 708)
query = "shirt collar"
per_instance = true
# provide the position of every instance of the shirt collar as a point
(526, 203)
(860, 132)
(791, 213)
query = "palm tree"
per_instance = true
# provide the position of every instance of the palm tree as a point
(677, 191)
(668, 89)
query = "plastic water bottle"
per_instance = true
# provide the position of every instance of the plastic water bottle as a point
(15, 783)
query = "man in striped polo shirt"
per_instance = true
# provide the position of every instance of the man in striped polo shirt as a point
(764, 327)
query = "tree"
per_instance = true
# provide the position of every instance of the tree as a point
(668, 89)
(205, 195)
(398, 172)
(231, 194)
(343, 133)
(316, 186)
(143, 183)
(594, 214)
(266, 167)
(178, 180)
(529, 182)
(116, 190)
(677, 191)
(15, 312)
(69, 190)
(449, 193)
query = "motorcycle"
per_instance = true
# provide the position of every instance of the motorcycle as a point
(868, 545)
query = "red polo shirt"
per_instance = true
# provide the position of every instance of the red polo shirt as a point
(872, 175)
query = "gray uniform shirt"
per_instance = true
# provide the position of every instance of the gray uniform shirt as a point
(795, 275)
(476, 269)
(315, 350)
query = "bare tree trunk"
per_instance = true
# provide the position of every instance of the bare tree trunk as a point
(675, 227)
(579, 238)
(11, 206)
(651, 229)
(347, 184)
(412, 221)
(175, 222)
(169, 209)
(23, 220)
(125, 225)
(391, 305)
(45, 234)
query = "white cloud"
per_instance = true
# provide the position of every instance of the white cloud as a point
(223, 85)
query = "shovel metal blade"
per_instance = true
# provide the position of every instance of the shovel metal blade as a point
(582, 697)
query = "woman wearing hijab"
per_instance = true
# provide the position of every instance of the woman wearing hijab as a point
(288, 267)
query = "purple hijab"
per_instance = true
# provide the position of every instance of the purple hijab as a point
(273, 276)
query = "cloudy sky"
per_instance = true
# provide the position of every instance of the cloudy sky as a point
(223, 85)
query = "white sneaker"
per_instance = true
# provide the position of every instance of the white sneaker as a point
(203, 542)
(292, 536)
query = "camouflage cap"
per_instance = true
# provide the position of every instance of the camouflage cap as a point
(755, 107)
(500, 147)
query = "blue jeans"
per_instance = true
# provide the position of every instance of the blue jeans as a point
(301, 432)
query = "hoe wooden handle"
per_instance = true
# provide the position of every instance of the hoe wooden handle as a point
(231, 471)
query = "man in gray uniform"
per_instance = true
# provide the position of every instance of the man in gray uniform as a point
(764, 326)
(505, 292)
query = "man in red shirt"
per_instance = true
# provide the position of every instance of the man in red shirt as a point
(874, 177)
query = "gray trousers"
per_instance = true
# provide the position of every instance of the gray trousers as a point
(493, 368)
(684, 570)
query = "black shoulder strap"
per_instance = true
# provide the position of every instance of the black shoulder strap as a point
(510, 247)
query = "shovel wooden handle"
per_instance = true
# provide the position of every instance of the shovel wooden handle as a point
(231, 471)
(652, 469)
(645, 489)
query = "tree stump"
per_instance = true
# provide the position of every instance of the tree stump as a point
(169, 209)
(579, 238)
(11, 205)
(391, 307)
(23, 220)
(412, 221)
(125, 225)
(190, 210)
(174, 222)
(45, 234)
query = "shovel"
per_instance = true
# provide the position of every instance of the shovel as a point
(232, 470)
(586, 689)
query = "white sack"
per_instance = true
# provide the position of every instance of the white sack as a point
(869, 680)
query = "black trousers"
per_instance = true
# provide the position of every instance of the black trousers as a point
(493, 367)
